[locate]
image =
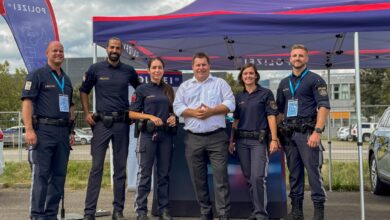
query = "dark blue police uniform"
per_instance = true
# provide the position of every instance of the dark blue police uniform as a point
(112, 105)
(251, 139)
(153, 144)
(49, 158)
(309, 90)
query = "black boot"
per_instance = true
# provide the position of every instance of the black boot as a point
(296, 210)
(318, 211)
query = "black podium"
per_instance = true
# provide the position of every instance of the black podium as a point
(182, 197)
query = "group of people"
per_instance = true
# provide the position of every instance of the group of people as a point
(261, 127)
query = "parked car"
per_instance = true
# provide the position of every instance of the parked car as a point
(11, 135)
(343, 134)
(379, 156)
(87, 129)
(2, 163)
(367, 129)
(82, 137)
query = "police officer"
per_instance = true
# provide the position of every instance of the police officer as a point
(111, 79)
(254, 121)
(47, 109)
(303, 104)
(153, 107)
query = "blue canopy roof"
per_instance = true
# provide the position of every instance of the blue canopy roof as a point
(238, 31)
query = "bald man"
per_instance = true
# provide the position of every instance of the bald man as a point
(48, 116)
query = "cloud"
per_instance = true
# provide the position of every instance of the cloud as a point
(74, 21)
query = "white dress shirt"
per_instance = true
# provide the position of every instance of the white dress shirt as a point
(211, 92)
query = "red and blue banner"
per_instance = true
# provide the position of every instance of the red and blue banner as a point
(33, 26)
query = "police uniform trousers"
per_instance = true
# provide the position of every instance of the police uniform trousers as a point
(253, 159)
(49, 162)
(119, 134)
(153, 149)
(299, 156)
(199, 150)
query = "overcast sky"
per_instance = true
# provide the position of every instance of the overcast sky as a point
(74, 21)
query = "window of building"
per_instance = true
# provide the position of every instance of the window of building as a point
(341, 91)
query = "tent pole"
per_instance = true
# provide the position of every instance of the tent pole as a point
(359, 123)
(329, 138)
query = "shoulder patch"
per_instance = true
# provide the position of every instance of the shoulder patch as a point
(273, 105)
(27, 86)
(322, 91)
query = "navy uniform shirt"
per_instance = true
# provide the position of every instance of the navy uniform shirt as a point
(111, 85)
(150, 99)
(42, 88)
(311, 94)
(253, 109)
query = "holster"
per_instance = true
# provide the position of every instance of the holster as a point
(108, 121)
(35, 122)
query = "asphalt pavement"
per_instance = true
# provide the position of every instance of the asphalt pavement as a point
(14, 205)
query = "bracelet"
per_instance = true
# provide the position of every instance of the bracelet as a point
(275, 140)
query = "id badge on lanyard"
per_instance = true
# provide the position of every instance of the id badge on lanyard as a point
(64, 103)
(292, 104)
(292, 108)
(63, 99)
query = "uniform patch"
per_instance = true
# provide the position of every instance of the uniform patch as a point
(27, 86)
(273, 105)
(322, 91)
(133, 98)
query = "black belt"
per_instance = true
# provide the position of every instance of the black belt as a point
(299, 121)
(55, 122)
(251, 134)
(115, 116)
(206, 133)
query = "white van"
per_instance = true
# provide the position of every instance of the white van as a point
(367, 129)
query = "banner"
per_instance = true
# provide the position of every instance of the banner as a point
(33, 26)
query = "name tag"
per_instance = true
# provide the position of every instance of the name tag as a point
(292, 108)
(64, 103)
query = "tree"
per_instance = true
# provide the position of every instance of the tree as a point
(375, 90)
(11, 87)
(236, 87)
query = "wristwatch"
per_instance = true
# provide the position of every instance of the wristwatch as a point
(318, 130)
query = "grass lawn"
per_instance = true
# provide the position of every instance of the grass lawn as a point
(345, 175)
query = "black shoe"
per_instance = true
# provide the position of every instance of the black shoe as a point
(89, 217)
(206, 216)
(118, 216)
(223, 217)
(252, 217)
(318, 211)
(296, 210)
(142, 217)
(165, 216)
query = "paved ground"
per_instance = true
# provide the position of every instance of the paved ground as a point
(14, 204)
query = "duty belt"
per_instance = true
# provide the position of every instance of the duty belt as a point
(55, 122)
(257, 135)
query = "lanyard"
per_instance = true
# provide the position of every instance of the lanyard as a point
(62, 84)
(294, 89)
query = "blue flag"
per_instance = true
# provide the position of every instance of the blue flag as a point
(33, 26)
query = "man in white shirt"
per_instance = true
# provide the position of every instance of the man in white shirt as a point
(204, 101)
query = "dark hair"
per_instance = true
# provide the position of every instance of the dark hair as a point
(167, 89)
(114, 38)
(201, 55)
(246, 66)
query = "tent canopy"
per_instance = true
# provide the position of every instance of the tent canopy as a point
(235, 32)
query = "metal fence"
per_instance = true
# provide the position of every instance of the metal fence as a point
(341, 150)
